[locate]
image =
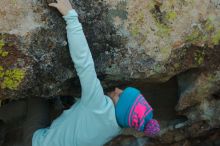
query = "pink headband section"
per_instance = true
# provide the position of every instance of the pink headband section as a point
(140, 109)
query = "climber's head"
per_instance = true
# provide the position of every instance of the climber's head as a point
(132, 110)
(114, 95)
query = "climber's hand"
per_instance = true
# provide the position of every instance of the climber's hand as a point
(63, 6)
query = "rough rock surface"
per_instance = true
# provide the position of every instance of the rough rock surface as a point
(131, 40)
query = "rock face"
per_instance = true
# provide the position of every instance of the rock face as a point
(131, 40)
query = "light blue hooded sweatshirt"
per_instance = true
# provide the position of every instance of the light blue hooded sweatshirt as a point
(91, 121)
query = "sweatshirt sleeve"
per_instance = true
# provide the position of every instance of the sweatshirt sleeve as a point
(92, 91)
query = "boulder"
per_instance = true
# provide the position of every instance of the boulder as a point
(131, 41)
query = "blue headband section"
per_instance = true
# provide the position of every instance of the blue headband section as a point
(124, 105)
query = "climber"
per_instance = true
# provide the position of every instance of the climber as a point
(95, 118)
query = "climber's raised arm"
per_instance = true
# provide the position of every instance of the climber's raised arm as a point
(92, 91)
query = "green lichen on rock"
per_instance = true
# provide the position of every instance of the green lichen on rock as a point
(199, 34)
(204, 32)
(135, 28)
(216, 38)
(196, 35)
(209, 27)
(1, 44)
(160, 19)
(3, 53)
(171, 15)
(199, 57)
(163, 30)
(151, 4)
(12, 78)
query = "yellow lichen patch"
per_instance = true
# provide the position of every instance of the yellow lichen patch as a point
(12, 78)
(11, 75)
(2, 52)
(171, 15)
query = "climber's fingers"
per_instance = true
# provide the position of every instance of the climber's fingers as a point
(55, 5)
(63, 6)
